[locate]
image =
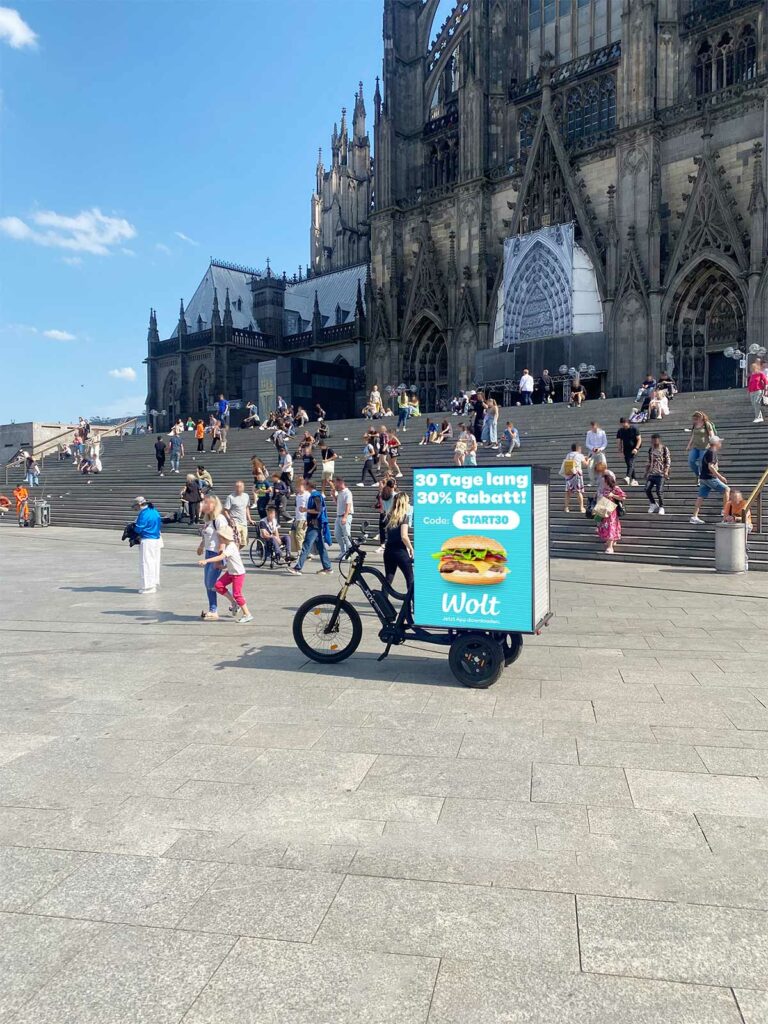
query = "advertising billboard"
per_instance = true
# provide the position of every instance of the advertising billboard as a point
(481, 543)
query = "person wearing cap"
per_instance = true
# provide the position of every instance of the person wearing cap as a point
(710, 479)
(233, 575)
(148, 527)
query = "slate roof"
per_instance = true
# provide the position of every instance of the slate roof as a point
(221, 276)
(337, 288)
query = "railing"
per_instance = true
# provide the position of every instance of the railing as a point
(756, 499)
(53, 443)
(703, 13)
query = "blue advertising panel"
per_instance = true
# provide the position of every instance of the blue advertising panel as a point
(473, 544)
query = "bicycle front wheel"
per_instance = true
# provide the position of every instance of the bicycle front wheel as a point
(258, 553)
(318, 639)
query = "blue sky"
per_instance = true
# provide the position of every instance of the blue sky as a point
(139, 139)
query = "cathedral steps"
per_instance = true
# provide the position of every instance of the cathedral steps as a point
(546, 434)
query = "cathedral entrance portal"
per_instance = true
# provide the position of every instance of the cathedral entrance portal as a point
(426, 367)
(706, 316)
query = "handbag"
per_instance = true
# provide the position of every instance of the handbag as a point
(604, 507)
(589, 512)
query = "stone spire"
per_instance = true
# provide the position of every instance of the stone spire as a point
(227, 311)
(182, 319)
(358, 120)
(344, 137)
(215, 315)
(152, 333)
(377, 101)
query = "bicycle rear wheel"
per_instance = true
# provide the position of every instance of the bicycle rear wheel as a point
(258, 553)
(314, 635)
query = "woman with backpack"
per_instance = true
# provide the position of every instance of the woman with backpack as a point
(572, 470)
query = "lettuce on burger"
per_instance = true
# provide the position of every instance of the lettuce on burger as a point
(472, 559)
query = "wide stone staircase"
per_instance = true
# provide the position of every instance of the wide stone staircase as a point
(546, 433)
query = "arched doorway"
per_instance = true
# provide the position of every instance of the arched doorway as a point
(171, 398)
(426, 367)
(201, 391)
(706, 315)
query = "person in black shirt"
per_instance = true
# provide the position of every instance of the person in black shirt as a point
(710, 479)
(160, 454)
(629, 441)
(546, 388)
(308, 462)
(477, 403)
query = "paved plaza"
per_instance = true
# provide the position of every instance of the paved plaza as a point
(198, 825)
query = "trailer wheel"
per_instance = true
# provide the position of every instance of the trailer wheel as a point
(476, 660)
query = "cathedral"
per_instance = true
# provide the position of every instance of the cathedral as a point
(568, 182)
(576, 184)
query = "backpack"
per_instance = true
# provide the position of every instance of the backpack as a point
(569, 467)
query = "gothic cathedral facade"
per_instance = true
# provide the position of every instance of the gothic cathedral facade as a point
(641, 123)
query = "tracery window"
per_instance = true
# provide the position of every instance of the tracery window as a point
(590, 109)
(570, 28)
(730, 60)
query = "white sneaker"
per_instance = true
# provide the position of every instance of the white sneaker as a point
(758, 419)
(148, 590)
(697, 520)
(379, 549)
(361, 485)
(653, 508)
(245, 618)
(634, 484)
(399, 476)
(662, 511)
(626, 479)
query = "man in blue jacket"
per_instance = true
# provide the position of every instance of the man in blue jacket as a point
(148, 527)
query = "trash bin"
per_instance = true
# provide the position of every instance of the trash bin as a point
(41, 513)
(731, 547)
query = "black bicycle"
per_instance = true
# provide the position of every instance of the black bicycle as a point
(328, 628)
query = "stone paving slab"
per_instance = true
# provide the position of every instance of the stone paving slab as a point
(268, 840)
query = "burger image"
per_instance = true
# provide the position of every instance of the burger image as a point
(472, 559)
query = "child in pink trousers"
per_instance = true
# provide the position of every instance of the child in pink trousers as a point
(234, 575)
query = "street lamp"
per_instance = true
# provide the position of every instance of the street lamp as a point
(740, 357)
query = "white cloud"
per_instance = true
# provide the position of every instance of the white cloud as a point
(127, 252)
(55, 335)
(185, 238)
(72, 261)
(19, 329)
(14, 30)
(126, 373)
(163, 248)
(88, 231)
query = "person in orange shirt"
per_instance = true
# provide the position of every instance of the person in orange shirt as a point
(733, 512)
(200, 435)
(21, 494)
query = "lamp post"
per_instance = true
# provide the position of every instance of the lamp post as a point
(741, 358)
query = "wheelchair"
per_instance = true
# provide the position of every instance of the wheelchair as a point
(261, 553)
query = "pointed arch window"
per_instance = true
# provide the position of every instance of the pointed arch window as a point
(574, 115)
(724, 61)
(607, 104)
(526, 126)
(703, 70)
(745, 65)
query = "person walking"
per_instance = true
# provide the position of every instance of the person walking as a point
(148, 527)
(398, 549)
(711, 480)
(628, 441)
(176, 448)
(222, 407)
(596, 442)
(301, 495)
(393, 455)
(573, 471)
(191, 496)
(160, 451)
(318, 533)
(345, 509)
(200, 435)
(526, 387)
(701, 433)
(477, 409)
(32, 471)
(285, 465)
(490, 424)
(369, 455)
(328, 459)
(384, 503)
(546, 388)
(756, 387)
(609, 529)
(657, 474)
(403, 410)
(210, 546)
(234, 575)
(238, 504)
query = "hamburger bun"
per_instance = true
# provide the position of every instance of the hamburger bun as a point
(468, 541)
(483, 579)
